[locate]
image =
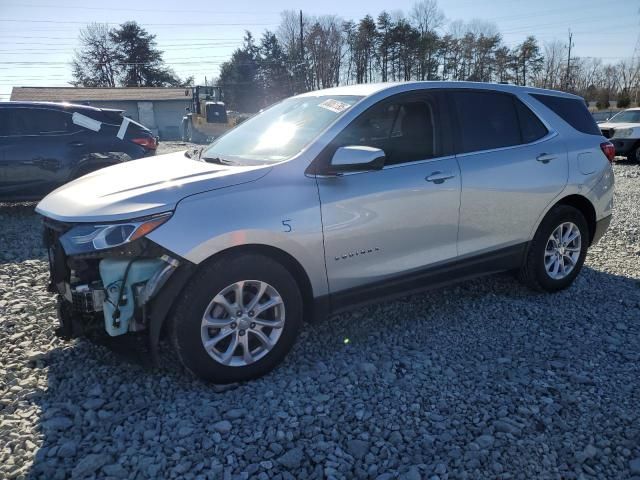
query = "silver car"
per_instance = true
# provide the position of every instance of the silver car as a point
(327, 200)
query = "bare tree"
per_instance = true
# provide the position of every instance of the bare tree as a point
(427, 16)
(628, 71)
(553, 66)
(95, 63)
(324, 46)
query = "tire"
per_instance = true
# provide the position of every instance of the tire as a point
(202, 291)
(534, 272)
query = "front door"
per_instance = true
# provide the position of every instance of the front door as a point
(382, 224)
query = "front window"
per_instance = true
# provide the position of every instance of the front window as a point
(628, 116)
(280, 132)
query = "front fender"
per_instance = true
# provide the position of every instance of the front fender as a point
(270, 212)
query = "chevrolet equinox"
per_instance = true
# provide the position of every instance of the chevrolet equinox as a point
(327, 200)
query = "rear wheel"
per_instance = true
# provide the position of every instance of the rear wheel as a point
(238, 318)
(557, 251)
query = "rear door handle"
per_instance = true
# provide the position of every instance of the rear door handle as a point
(545, 157)
(439, 177)
(76, 144)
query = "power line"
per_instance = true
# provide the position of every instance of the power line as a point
(76, 22)
(70, 50)
(144, 10)
(41, 37)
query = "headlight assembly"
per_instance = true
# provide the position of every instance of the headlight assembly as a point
(88, 238)
(623, 132)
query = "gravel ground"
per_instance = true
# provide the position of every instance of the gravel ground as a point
(482, 380)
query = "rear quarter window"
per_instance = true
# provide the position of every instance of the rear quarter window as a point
(531, 127)
(571, 110)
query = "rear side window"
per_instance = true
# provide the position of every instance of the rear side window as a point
(531, 127)
(34, 121)
(571, 110)
(487, 120)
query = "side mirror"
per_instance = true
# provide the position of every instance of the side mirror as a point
(357, 158)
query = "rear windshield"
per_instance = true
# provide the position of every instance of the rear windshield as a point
(571, 110)
(628, 116)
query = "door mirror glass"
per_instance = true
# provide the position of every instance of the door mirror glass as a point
(357, 158)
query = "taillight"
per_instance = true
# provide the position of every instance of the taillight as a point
(147, 142)
(609, 150)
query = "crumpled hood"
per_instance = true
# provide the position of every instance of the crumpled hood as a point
(141, 187)
(618, 125)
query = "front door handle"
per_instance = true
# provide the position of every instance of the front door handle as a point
(76, 144)
(545, 157)
(439, 177)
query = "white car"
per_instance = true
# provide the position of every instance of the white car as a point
(623, 130)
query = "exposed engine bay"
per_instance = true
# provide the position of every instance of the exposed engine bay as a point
(108, 290)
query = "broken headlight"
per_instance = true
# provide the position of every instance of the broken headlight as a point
(91, 237)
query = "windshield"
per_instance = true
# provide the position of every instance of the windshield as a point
(280, 132)
(628, 116)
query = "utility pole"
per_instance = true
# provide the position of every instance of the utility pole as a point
(635, 61)
(567, 81)
(302, 80)
(301, 37)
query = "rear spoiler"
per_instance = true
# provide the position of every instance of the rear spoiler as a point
(112, 111)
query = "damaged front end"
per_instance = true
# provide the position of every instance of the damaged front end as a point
(108, 278)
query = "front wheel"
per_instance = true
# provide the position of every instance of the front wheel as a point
(237, 319)
(557, 252)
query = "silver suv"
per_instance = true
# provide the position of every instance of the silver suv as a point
(324, 201)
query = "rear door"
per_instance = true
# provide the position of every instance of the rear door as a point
(512, 167)
(39, 150)
(383, 224)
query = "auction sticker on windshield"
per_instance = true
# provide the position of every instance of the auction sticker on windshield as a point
(334, 105)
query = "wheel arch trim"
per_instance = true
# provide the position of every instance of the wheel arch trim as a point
(164, 300)
(578, 201)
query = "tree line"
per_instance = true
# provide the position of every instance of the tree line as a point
(124, 56)
(308, 53)
(312, 52)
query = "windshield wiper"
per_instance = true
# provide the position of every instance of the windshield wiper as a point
(194, 153)
(218, 160)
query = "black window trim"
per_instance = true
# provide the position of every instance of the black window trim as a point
(551, 132)
(46, 134)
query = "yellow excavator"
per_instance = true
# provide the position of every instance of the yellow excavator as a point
(207, 117)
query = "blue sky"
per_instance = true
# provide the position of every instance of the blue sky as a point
(198, 35)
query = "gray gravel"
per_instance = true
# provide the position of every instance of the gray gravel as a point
(482, 380)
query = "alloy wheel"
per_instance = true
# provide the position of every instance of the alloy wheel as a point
(562, 250)
(243, 323)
